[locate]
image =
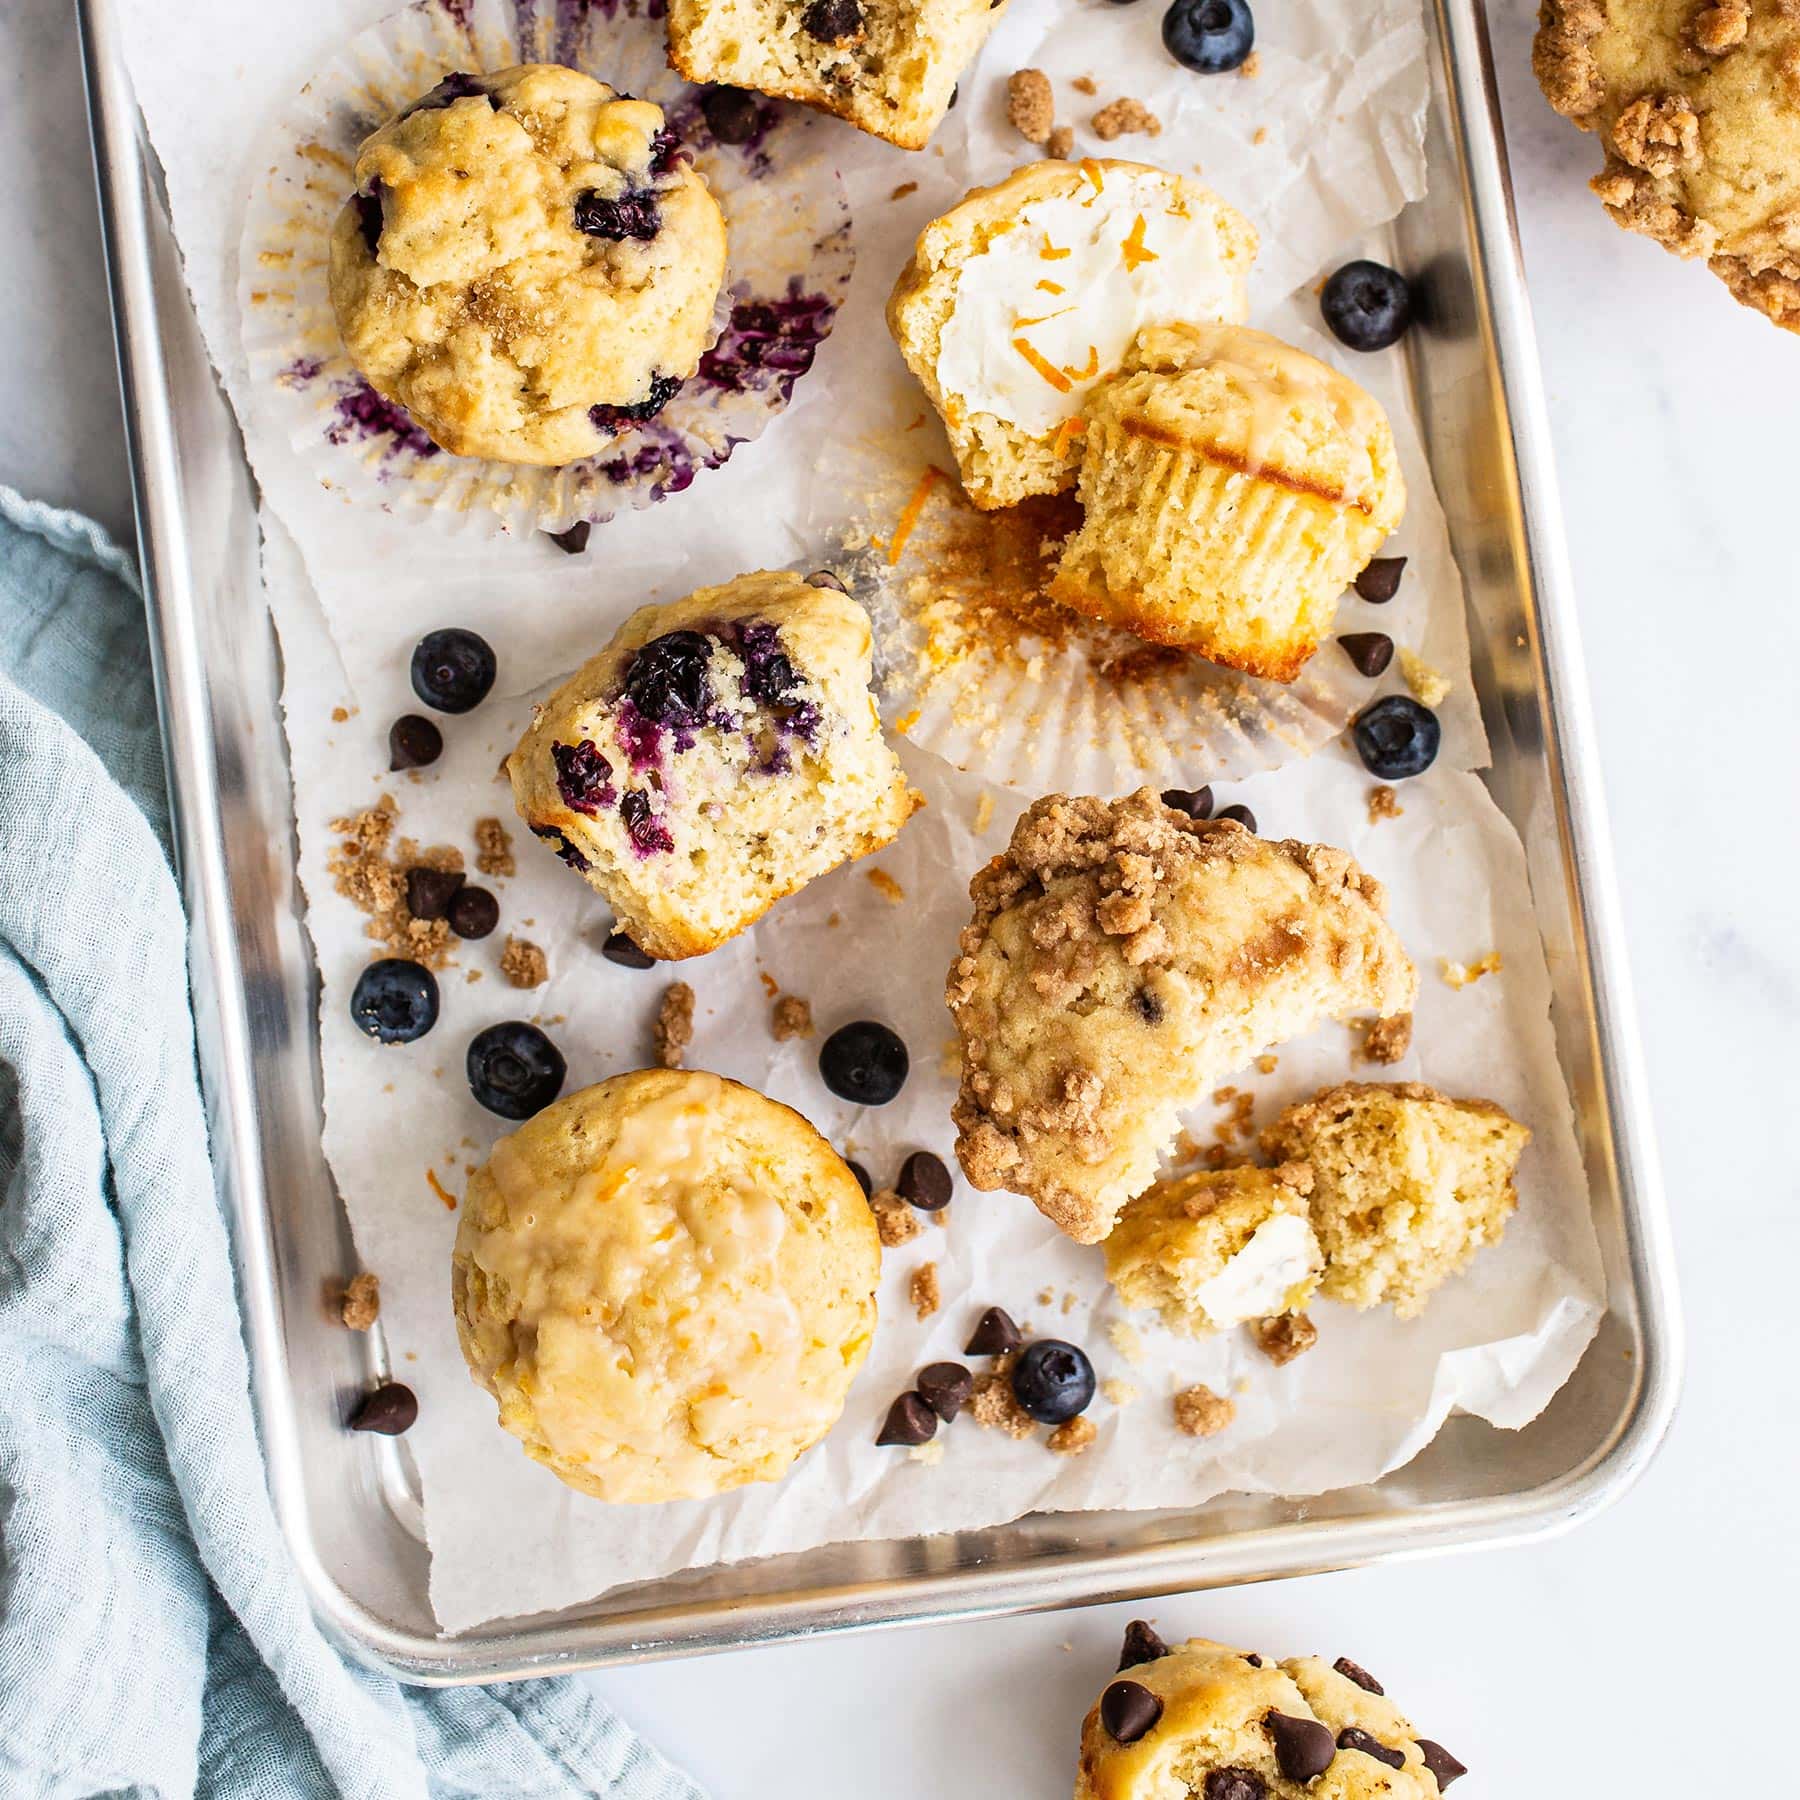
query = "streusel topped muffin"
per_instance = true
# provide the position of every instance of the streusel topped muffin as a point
(1026, 295)
(529, 265)
(719, 753)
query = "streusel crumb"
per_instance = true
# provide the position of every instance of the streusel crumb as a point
(1031, 104)
(1384, 803)
(923, 1291)
(1073, 1436)
(993, 1403)
(1285, 1336)
(493, 848)
(1061, 143)
(791, 1018)
(523, 963)
(375, 883)
(674, 1024)
(1125, 115)
(361, 1304)
(1722, 26)
(1199, 1412)
(895, 1222)
(1387, 1040)
(1085, 84)
(1251, 66)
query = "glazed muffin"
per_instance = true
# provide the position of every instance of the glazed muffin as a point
(668, 1283)
(1122, 959)
(1213, 1249)
(1026, 296)
(1232, 487)
(528, 264)
(1407, 1185)
(1201, 1721)
(890, 67)
(719, 753)
(1697, 107)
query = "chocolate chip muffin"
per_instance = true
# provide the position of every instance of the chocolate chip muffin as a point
(1122, 959)
(1205, 1722)
(1697, 106)
(528, 264)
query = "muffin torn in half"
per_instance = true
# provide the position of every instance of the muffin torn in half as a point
(1407, 1185)
(721, 752)
(1122, 959)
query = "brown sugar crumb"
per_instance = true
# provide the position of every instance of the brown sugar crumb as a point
(993, 1403)
(885, 885)
(1459, 975)
(895, 1222)
(493, 848)
(374, 882)
(1085, 84)
(523, 963)
(923, 1291)
(905, 188)
(791, 1017)
(1285, 1336)
(1251, 66)
(1267, 1063)
(361, 1304)
(674, 1029)
(338, 715)
(1073, 1436)
(1225, 1095)
(1199, 1412)
(1384, 803)
(1061, 143)
(1387, 1040)
(1125, 116)
(1031, 104)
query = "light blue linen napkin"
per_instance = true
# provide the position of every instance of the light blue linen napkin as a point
(154, 1640)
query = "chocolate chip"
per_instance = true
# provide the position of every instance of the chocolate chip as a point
(956, 92)
(1147, 1007)
(1370, 651)
(945, 1387)
(1443, 1766)
(1303, 1747)
(1234, 1784)
(474, 912)
(1253, 1659)
(1244, 816)
(1142, 1644)
(855, 1168)
(1357, 1673)
(1128, 1709)
(833, 21)
(909, 1421)
(389, 1409)
(730, 114)
(924, 1182)
(575, 540)
(1353, 1737)
(994, 1334)
(620, 949)
(823, 578)
(430, 891)
(413, 742)
(1380, 581)
(1197, 803)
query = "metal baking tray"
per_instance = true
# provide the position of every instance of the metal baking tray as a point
(349, 1503)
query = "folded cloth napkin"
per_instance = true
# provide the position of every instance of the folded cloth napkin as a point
(154, 1639)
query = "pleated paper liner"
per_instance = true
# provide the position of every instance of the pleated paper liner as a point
(789, 264)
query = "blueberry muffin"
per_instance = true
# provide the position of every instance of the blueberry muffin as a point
(1214, 1249)
(1122, 959)
(1201, 1721)
(668, 1283)
(1697, 107)
(1407, 1185)
(719, 753)
(1025, 296)
(890, 67)
(528, 265)
(1232, 487)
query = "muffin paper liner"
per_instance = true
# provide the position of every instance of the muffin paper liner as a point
(790, 258)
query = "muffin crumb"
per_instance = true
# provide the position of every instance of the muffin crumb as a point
(1251, 66)
(1119, 1391)
(1031, 104)
(1125, 115)
(523, 963)
(1428, 686)
(1124, 1338)
(1073, 1436)
(1267, 1063)
(493, 848)
(1199, 1412)
(923, 1290)
(791, 1018)
(1285, 1336)
(674, 1024)
(905, 188)
(885, 885)
(1387, 1040)
(929, 1454)
(1384, 803)
(1460, 975)
(895, 1222)
(360, 1306)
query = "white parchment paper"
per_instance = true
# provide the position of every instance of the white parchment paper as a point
(1319, 148)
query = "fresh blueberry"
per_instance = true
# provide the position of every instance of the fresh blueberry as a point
(583, 776)
(369, 218)
(1367, 305)
(663, 389)
(865, 1062)
(833, 21)
(667, 681)
(630, 216)
(730, 113)
(473, 913)
(453, 670)
(514, 1070)
(1209, 36)
(1396, 737)
(1052, 1381)
(413, 742)
(395, 1001)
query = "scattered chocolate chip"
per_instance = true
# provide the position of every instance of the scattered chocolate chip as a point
(924, 1182)
(833, 21)
(1147, 1007)
(1369, 651)
(855, 1168)
(1444, 1767)
(956, 92)
(945, 1387)
(1244, 816)
(1128, 1709)
(909, 1421)
(430, 891)
(413, 742)
(390, 1409)
(620, 949)
(1142, 1644)
(1234, 1784)
(730, 114)
(473, 913)
(1357, 1673)
(823, 578)
(1303, 1747)
(575, 540)
(1197, 803)
(1253, 1659)
(1380, 581)
(1353, 1737)
(994, 1334)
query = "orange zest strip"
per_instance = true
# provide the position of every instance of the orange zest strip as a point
(1050, 253)
(1050, 372)
(1053, 287)
(1066, 433)
(909, 516)
(1133, 249)
(1042, 318)
(1092, 369)
(437, 1187)
(1092, 171)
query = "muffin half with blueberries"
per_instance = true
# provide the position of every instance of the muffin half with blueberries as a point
(528, 264)
(720, 752)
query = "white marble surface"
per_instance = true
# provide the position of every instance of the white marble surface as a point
(1638, 1654)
